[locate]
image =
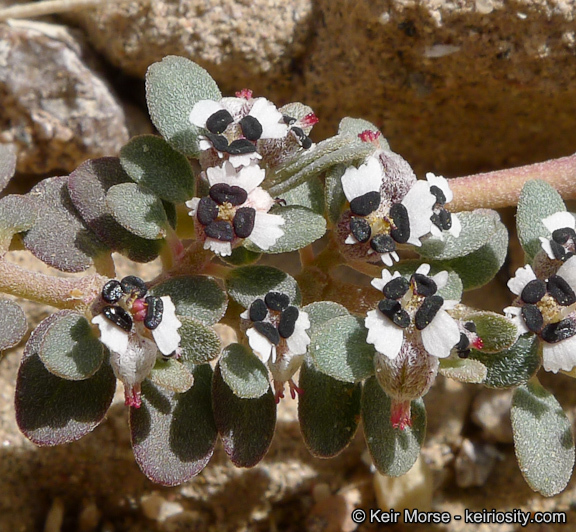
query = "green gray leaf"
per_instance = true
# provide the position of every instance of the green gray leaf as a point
(328, 411)
(339, 349)
(355, 126)
(320, 312)
(7, 164)
(173, 87)
(171, 375)
(309, 194)
(335, 198)
(537, 201)
(246, 426)
(463, 370)
(195, 296)
(542, 439)
(241, 257)
(69, 348)
(173, 434)
(393, 451)
(513, 366)
(496, 331)
(248, 283)
(244, 373)
(154, 164)
(199, 343)
(13, 324)
(301, 227)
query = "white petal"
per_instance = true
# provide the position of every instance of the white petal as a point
(386, 337)
(441, 278)
(387, 259)
(237, 107)
(112, 336)
(386, 278)
(204, 144)
(456, 228)
(367, 178)
(266, 229)
(351, 239)
(221, 174)
(441, 183)
(436, 232)
(419, 202)
(545, 245)
(568, 272)
(244, 159)
(193, 206)
(273, 126)
(220, 248)
(263, 347)
(260, 200)
(559, 356)
(298, 342)
(514, 314)
(441, 335)
(522, 277)
(203, 110)
(559, 220)
(449, 304)
(166, 334)
(246, 314)
(250, 177)
(423, 269)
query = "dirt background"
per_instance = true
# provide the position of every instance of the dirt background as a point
(456, 86)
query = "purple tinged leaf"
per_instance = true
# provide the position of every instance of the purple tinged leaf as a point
(13, 324)
(7, 164)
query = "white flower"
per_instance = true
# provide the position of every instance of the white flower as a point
(443, 221)
(234, 126)
(412, 312)
(279, 338)
(562, 226)
(132, 352)
(236, 208)
(378, 220)
(548, 309)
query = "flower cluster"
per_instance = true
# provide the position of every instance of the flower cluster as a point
(137, 329)
(278, 336)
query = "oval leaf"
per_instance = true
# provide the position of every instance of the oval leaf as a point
(17, 214)
(513, 366)
(496, 331)
(542, 439)
(88, 185)
(13, 324)
(355, 126)
(244, 373)
(154, 164)
(173, 434)
(322, 311)
(393, 451)
(241, 256)
(537, 201)
(248, 283)
(463, 370)
(51, 410)
(69, 348)
(301, 227)
(7, 164)
(195, 296)
(173, 86)
(199, 344)
(335, 198)
(328, 411)
(339, 349)
(171, 375)
(309, 194)
(70, 248)
(246, 426)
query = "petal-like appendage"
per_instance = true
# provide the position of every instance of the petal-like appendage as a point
(112, 336)
(359, 181)
(522, 277)
(166, 334)
(441, 335)
(559, 356)
(266, 229)
(419, 202)
(202, 111)
(386, 337)
(263, 347)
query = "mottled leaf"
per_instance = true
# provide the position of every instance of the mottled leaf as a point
(542, 439)
(246, 426)
(309, 194)
(393, 451)
(320, 312)
(154, 164)
(173, 434)
(199, 343)
(13, 324)
(244, 373)
(496, 331)
(334, 193)
(7, 164)
(171, 375)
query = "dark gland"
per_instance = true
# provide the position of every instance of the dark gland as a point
(258, 310)
(360, 228)
(118, 316)
(288, 322)
(133, 285)
(556, 332)
(394, 311)
(276, 301)
(251, 128)
(470, 326)
(427, 311)
(560, 290)
(424, 286)
(112, 291)
(240, 147)
(563, 235)
(219, 121)
(154, 312)
(220, 230)
(207, 210)
(438, 194)
(463, 346)
(244, 221)
(303, 139)
(532, 317)
(534, 291)
(223, 193)
(396, 288)
(559, 251)
(268, 331)
(383, 244)
(219, 142)
(401, 231)
(365, 204)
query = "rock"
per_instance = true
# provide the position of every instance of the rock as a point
(56, 111)
(475, 462)
(157, 508)
(55, 516)
(491, 412)
(333, 513)
(457, 87)
(89, 516)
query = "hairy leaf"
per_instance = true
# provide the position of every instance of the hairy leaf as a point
(173, 86)
(334, 193)
(17, 214)
(542, 439)
(309, 194)
(463, 370)
(13, 324)
(171, 375)
(393, 451)
(7, 164)
(173, 434)
(320, 312)
(244, 373)
(496, 331)
(199, 343)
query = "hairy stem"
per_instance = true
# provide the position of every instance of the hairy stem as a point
(501, 188)
(59, 292)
